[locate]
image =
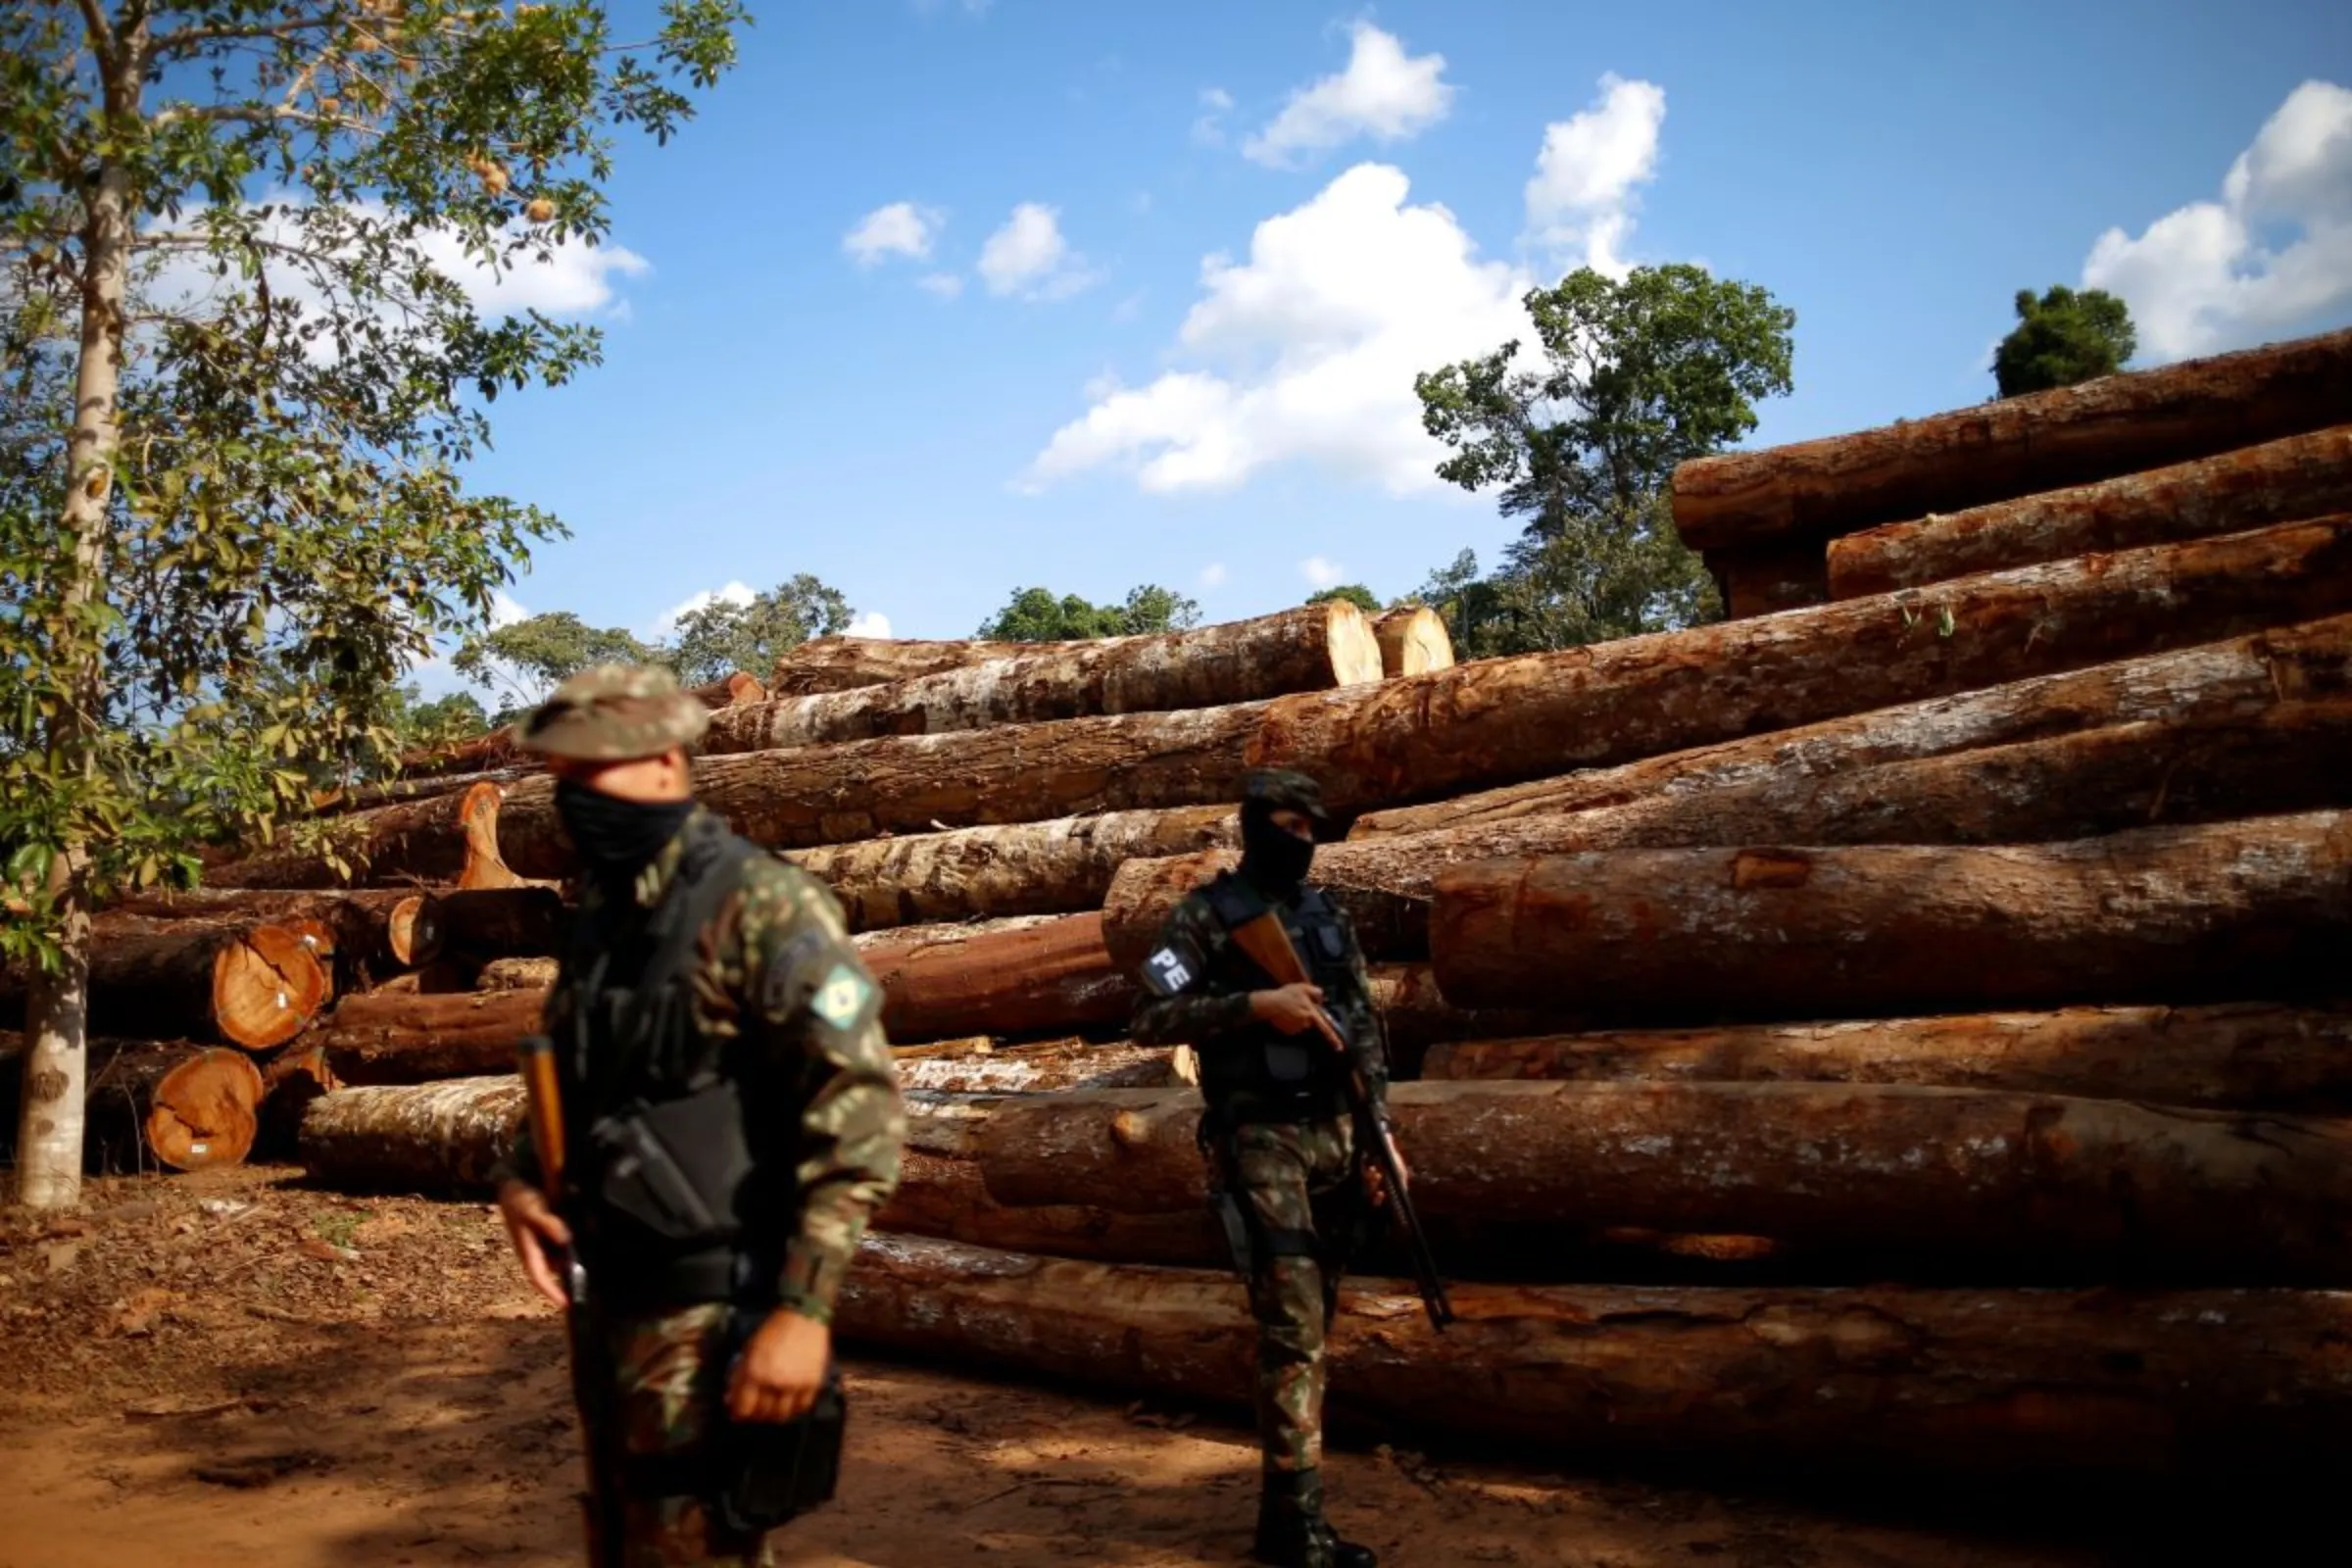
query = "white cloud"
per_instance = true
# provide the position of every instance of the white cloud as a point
(506, 610)
(1029, 257)
(1321, 572)
(1383, 93)
(946, 286)
(2273, 254)
(1209, 129)
(1212, 574)
(900, 229)
(734, 593)
(871, 623)
(1580, 201)
(1314, 343)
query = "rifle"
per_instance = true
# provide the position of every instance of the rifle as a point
(1268, 946)
(592, 1371)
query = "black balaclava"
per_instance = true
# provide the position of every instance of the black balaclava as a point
(616, 839)
(1273, 860)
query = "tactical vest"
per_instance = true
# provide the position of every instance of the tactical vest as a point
(669, 1178)
(1261, 1073)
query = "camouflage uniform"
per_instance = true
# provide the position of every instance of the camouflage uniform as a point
(1289, 1160)
(779, 1002)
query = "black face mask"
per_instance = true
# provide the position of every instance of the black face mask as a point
(1273, 860)
(617, 838)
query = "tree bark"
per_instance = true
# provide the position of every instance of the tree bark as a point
(2016, 446)
(1052, 1066)
(438, 1137)
(1979, 1382)
(481, 924)
(516, 974)
(2253, 1055)
(1020, 868)
(845, 663)
(375, 931)
(1766, 578)
(735, 690)
(1496, 721)
(1415, 1016)
(2196, 685)
(150, 1103)
(380, 1039)
(1052, 978)
(1312, 647)
(2230, 911)
(244, 983)
(2285, 756)
(408, 791)
(1413, 641)
(2278, 482)
(295, 1078)
(434, 840)
(1980, 1182)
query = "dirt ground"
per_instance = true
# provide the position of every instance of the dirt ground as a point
(230, 1369)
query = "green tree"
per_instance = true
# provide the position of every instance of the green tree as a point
(520, 663)
(1035, 615)
(1356, 593)
(2062, 338)
(1637, 376)
(245, 378)
(421, 725)
(723, 637)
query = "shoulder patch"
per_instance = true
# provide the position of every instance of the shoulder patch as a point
(840, 997)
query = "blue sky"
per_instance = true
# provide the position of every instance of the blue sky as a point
(790, 386)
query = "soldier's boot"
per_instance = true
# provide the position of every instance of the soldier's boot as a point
(1292, 1532)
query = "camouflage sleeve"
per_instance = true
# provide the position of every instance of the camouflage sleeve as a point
(520, 1160)
(815, 1013)
(1174, 1008)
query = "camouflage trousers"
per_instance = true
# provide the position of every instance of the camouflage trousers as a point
(1297, 1183)
(667, 1381)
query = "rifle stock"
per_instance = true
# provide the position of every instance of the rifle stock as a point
(1269, 946)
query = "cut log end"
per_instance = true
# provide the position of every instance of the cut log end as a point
(415, 930)
(267, 985)
(206, 1111)
(1356, 656)
(1413, 641)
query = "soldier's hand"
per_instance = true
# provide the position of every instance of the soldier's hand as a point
(1291, 1010)
(531, 1225)
(781, 1370)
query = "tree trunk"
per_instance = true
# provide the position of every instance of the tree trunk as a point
(1022, 868)
(485, 923)
(1051, 978)
(375, 931)
(481, 753)
(206, 1111)
(2230, 911)
(1981, 1382)
(1415, 1016)
(437, 1138)
(408, 791)
(434, 840)
(1961, 1181)
(1413, 641)
(1056, 1065)
(516, 974)
(2016, 446)
(150, 1104)
(1766, 578)
(2253, 1055)
(244, 983)
(379, 1039)
(845, 663)
(2198, 685)
(2295, 756)
(2278, 482)
(1312, 647)
(294, 1080)
(735, 690)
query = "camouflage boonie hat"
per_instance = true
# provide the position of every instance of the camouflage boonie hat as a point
(615, 713)
(1279, 789)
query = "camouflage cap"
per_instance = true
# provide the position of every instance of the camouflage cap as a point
(613, 713)
(1280, 789)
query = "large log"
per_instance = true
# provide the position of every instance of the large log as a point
(497, 749)
(375, 931)
(1051, 978)
(2278, 482)
(845, 663)
(1312, 647)
(2280, 756)
(435, 840)
(391, 792)
(1766, 578)
(734, 691)
(1495, 721)
(2227, 910)
(150, 1104)
(1019, 868)
(205, 1111)
(2250, 1055)
(437, 1138)
(1413, 641)
(1053, 1066)
(2016, 446)
(482, 924)
(2042, 1185)
(1981, 1382)
(2196, 685)
(246, 983)
(382, 1038)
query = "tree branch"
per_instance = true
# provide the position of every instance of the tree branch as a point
(101, 33)
(166, 45)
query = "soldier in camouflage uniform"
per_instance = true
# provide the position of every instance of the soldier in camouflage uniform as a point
(1288, 1183)
(769, 1006)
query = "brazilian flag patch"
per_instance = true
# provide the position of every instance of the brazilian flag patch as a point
(842, 996)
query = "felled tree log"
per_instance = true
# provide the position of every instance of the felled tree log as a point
(375, 931)
(2227, 910)
(2020, 1383)
(2057, 1187)
(2016, 446)
(2278, 482)
(1312, 648)
(2281, 756)
(1020, 868)
(1493, 721)
(2198, 685)
(244, 983)
(399, 791)
(1766, 578)
(845, 663)
(516, 974)
(2237, 1055)
(205, 1110)
(733, 692)
(294, 1078)
(1016, 1070)
(1413, 641)
(434, 840)
(1415, 1016)
(497, 749)
(435, 1138)
(516, 922)
(394, 1038)
(1054, 977)
(149, 1104)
